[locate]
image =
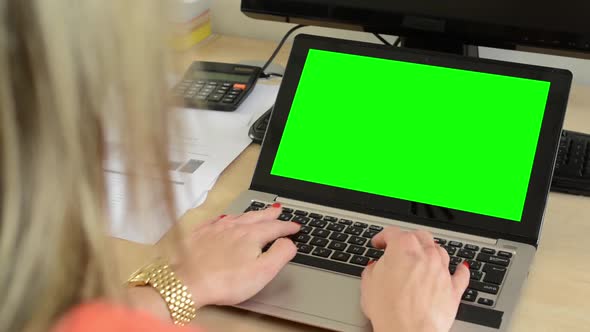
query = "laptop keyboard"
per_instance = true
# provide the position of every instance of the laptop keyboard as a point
(344, 246)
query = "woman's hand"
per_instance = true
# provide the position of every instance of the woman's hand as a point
(225, 264)
(410, 288)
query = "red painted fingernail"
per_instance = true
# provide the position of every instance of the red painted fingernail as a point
(276, 205)
(466, 264)
(222, 216)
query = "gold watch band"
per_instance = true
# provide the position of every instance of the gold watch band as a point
(178, 299)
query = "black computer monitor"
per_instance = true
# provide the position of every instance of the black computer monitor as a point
(561, 24)
(457, 26)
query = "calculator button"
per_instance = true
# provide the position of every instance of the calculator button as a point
(212, 83)
(202, 97)
(226, 84)
(224, 90)
(227, 100)
(216, 97)
(201, 82)
(240, 86)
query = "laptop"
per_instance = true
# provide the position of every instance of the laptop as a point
(364, 136)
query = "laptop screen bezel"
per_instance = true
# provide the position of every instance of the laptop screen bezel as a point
(526, 231)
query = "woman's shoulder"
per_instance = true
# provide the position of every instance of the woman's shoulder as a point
(103, 316)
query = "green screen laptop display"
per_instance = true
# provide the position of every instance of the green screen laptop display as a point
(453, 138)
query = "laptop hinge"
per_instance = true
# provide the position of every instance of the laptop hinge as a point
(382, 221)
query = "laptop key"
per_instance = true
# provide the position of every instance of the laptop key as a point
(455, 261)
(440, 241)
(287, 210)
(336, 227)
(319, 242)
(505, 254)
(485, 301)
(468, 297)
(475, 275)
(376, 228)
(452, 269)
(353, 230)
(488, 251)
(374, 253)
(451, 250)
(302, 238)
(318, 223)
(322, 252)
(471, 247)
(300, 220)
(305, 229)
(456, 244)
(483, 287)
(300, 213)
(466, 253)
(304, 248)
(355, 250)
(369, 234)
(320, 233)
(337, 245)
(345, 222)
(474, 265)
(493, 259)
(341, 256)
(258, 204)
(360, 224)
(315, 216)
(494, 274)
(359, 241)
(285, 216)
(330, 218)
(360, 260)
(328, 264)
(338, 237)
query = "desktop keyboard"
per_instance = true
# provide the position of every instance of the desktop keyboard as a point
(572, 167)
(344, 246)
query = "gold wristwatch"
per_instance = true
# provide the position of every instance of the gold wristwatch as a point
(178, 299)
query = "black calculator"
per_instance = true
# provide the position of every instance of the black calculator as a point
(216, 86)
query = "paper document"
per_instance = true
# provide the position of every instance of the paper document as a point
(205, 143)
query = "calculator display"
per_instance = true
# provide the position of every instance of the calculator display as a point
(211, 75)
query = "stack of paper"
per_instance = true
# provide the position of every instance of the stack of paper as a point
(192, 23)
(208, 143)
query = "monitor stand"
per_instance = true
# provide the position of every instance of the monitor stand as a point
(572, 168)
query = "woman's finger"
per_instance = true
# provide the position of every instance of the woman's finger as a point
(253, 217)
(380, 240)
(444, 256)
(425, 238)
(460, 280)
(267, 231)
(270, 263)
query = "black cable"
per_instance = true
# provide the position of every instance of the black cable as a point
(382, 39)
(274, 54)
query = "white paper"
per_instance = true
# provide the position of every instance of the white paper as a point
(205, 143)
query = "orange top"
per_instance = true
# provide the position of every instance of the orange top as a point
(101, 316)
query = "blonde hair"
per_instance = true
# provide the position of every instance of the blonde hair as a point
(61, 61)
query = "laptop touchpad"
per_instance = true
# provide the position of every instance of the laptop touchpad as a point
(316, 293)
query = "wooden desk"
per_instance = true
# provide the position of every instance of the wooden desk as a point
(556, 296)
